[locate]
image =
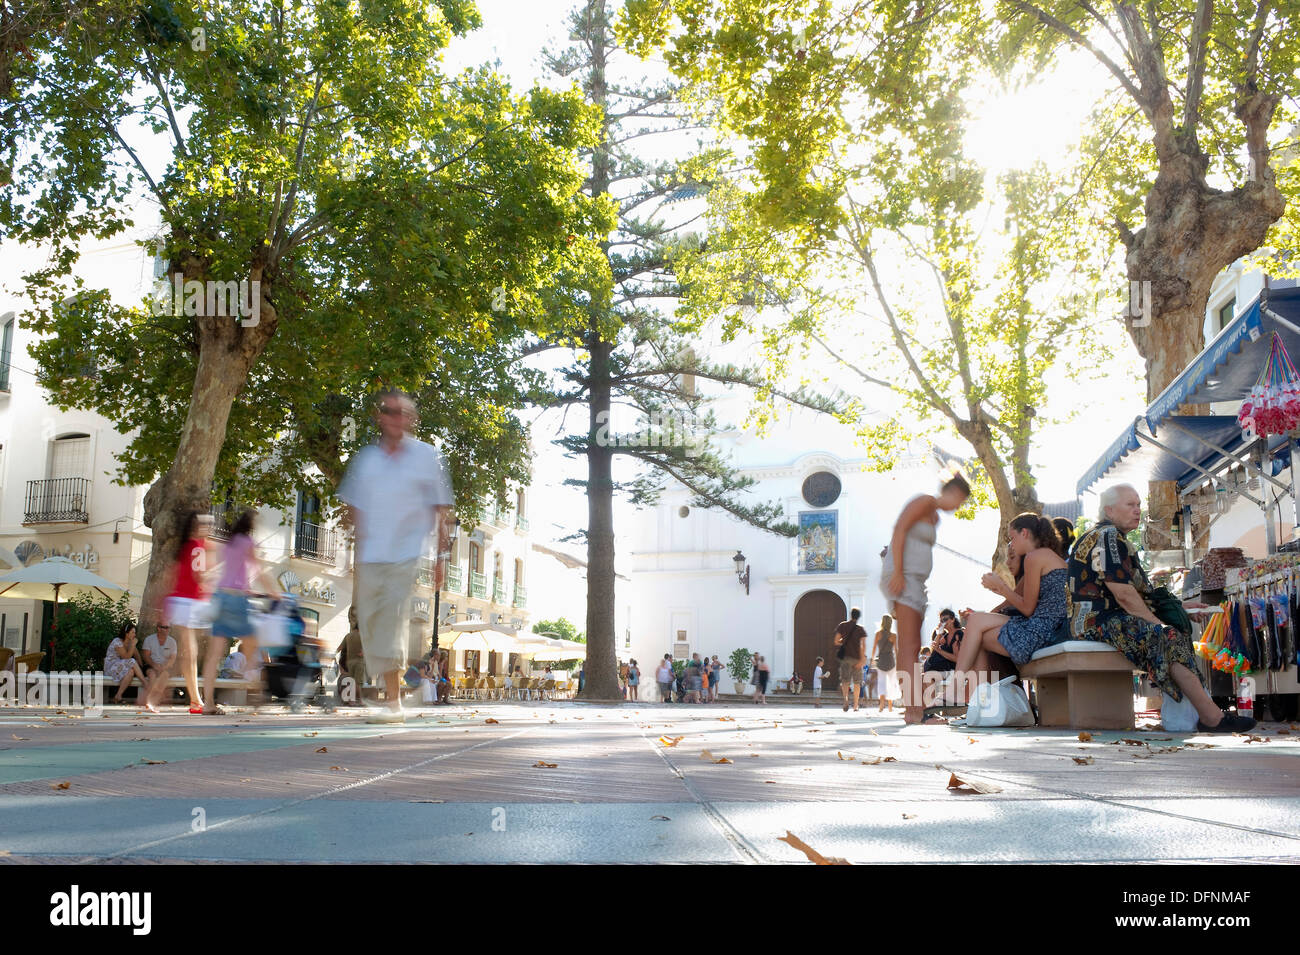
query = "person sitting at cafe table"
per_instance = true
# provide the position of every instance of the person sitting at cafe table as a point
(1112, 600)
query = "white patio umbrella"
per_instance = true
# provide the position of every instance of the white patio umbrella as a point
(559, 650)
(9, 560)
(47, 579)
(485, 639)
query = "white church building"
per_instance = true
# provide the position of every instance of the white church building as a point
(686, 595)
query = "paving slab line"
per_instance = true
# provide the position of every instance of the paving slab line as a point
(289, 804)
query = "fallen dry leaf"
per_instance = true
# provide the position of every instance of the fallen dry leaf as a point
(705, 754)
(312, 733)
(323, 749)
(671, 740)
(660, 819)
(909, 815)
(341, 769)
(770, 782)
(1198, 746)
(1256, 739)
(17, 737)
(491, 720)
(877, 760)
(753, 755)
(544, 765)
(726, 719)
(247, 779)
(63, 785)
(813, 855)
(959, 784)
(722, 759)
(971, 739)
(1083, 760)
(1133, 742)
(1085, 737)
(841, 755)
(874, 733)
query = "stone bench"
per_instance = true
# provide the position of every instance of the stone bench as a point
(1082, 684)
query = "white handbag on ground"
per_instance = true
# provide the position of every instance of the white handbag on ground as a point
(999, 704)
(1180, 717)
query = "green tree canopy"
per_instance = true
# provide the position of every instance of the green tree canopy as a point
(382, 206)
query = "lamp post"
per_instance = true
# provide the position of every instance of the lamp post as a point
(437, 590)
(742, 570)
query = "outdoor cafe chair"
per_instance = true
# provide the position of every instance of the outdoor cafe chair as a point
(5, 656)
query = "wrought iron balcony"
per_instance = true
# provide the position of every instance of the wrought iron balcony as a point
(478, 585)
(499, 591)
(424, 573)
(521, 596)
(313, 542)
(455, 579)
(521, 522)
(55, 500)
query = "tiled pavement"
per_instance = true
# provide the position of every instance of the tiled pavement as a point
(449, 786)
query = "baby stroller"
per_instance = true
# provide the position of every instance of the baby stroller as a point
(294, 674)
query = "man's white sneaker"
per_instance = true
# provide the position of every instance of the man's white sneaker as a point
(387, 716)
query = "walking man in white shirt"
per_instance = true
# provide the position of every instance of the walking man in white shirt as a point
(398, 491)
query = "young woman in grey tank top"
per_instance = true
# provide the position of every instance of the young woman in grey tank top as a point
(908, 561)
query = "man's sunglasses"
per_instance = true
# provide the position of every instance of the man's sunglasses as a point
(385, 409)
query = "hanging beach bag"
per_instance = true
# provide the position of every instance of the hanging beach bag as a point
(999, 704)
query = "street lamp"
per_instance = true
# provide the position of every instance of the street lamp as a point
(742, 570)
(452, 536)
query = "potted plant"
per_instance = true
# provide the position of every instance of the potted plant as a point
(740, 665)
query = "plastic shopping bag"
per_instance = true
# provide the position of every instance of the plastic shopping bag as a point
(999, 704)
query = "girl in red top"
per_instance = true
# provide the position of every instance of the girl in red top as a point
(186, 608)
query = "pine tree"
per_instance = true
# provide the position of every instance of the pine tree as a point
(628, 349)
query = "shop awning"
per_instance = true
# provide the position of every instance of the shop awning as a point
(1229, 366)
(1172, 454)
(1159, 446)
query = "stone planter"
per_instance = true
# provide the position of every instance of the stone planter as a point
(740, 688)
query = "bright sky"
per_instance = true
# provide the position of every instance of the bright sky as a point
(1055, 109)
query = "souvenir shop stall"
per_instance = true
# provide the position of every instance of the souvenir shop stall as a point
(1246, 449)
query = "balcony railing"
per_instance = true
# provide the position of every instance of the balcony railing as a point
(313, 542)
(498, 591)
(424, 574)
(521, 522)
(57, 499)
(455, 579)
(478, 585)
(220, 526)
(521, 596)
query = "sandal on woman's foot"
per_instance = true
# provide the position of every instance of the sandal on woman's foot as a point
(1231, 723)
(196, 710)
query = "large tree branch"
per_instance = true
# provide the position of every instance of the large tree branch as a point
(1200, 43)
(1079, 39)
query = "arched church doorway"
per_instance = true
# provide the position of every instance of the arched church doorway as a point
(815, 617)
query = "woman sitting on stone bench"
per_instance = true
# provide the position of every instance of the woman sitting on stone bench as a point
(1110, 602)
(1039, 601)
